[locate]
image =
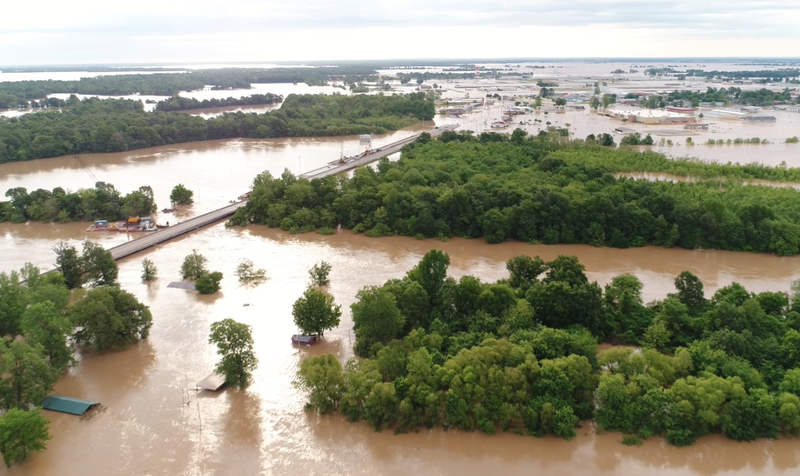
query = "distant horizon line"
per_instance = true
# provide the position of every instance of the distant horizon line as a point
(414, 61)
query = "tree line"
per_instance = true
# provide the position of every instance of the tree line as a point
(685, 97)
(103, 202)
(18, 93)
(520, 355)
(536, 190)
(180, 103)
(116, 125)
(43, 325)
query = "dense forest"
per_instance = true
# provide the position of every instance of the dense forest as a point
(18, 93)
(116, 125)
(520, 355)
(103, 202)
(537, 189)
(179, 103)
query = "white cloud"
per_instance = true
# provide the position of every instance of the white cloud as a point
(205, 30)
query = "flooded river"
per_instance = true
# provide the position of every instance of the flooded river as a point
(153, 423)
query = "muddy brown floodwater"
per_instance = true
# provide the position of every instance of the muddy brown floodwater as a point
(154, 423)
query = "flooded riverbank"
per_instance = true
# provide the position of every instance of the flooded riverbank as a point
(146, 425)
(666, 177)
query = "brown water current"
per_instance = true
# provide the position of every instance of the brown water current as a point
(154, 423)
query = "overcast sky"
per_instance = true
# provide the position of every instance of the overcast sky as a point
(167, 31)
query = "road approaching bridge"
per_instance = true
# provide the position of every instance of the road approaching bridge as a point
(383, 151)
(165, 234)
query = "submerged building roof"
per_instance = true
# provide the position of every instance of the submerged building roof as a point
(213, 382)
(60, 403)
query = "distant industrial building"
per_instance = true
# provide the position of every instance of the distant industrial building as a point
(696, 127)
(725, 114)
(681, 110)
(759, 118)
(650, 116)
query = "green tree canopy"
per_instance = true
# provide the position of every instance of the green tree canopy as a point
(208, 283)
(181, 195)
(234, 342)
(22, 432)
(314, 312)
(42, 324)
(108, 318)
(27, 376)
(194, 266)
(376, 318)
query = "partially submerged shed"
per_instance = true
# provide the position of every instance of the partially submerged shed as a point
(213, 382)
(74, 406)
(303, 340)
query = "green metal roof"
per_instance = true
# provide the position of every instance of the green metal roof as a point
(60, 403)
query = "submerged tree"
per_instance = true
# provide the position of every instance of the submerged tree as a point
(69, 264)
(108, 318)
(27, 377)
(315, 312)
(181, 195)
(246, 271)
(319, 274)
(234, 342)
(194, 266)
(22, 432)
(42, 324)
(208, 283)
(99, 265)
(149, 270)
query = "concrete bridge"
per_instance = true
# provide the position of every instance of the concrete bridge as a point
(383, 151)
(165, 234)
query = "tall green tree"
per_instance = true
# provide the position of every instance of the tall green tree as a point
(12, 302)
(27, 377)
(320, 273)
(321, 377)
(42, 324)
(376, 318)
(149, 270)
(99, 265)
(22, 432)
(315, 312)
(431, 273)
(69, 264)
(690, 292)
(208, 283)
(181, 195)
(234, 342)
(194, 265)
(108, 318)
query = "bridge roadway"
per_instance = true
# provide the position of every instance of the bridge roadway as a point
(165, 234)
(333, 169)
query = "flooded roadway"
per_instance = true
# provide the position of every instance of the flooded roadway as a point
(146, 426)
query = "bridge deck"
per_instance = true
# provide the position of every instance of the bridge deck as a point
(389, 149)
(160, 236)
